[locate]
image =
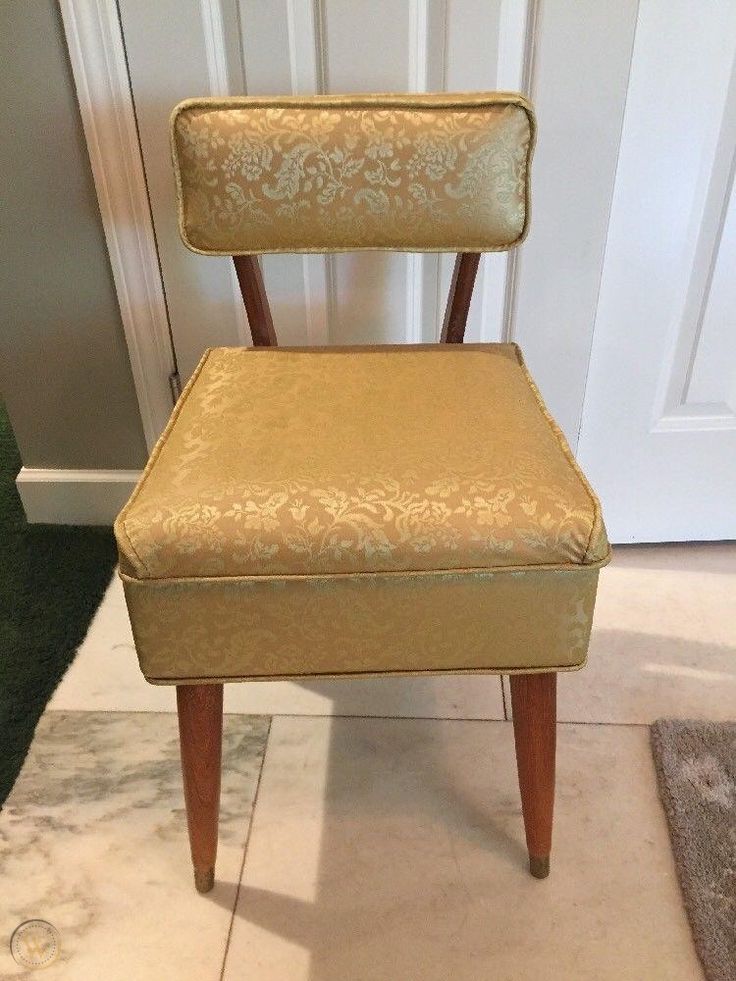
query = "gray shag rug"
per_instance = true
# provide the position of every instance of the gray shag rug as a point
(696, 771)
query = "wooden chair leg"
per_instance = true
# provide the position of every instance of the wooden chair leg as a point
(200, 738)
(534, 706)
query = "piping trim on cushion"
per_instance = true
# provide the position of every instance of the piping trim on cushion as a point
(424, 101)
(222, 679)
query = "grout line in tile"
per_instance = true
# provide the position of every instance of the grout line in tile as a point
(245, 850)
(613, 725)
(503, 699)
(388, 718)
(444, 718)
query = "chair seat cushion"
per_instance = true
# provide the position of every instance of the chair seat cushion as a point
(385, 464)
(286, 462)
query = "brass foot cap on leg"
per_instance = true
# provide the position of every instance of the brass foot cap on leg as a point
(204, 879)
(539, 866)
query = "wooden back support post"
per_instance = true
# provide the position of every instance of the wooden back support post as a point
(262, 330)
(253, 291)
(458, 300)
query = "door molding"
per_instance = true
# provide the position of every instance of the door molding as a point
(97, 54)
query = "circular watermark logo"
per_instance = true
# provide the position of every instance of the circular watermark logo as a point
(35, 943)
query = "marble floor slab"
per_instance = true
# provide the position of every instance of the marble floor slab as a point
(394, 849)
(93, 839)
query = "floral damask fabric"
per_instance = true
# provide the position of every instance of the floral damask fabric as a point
(352, 511)
(232, 628)
(426, 172)
(341, 461)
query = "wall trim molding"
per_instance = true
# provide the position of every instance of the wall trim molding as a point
(74, 497)
(418, 75)
(308, 74)
(527, 85)
(97, 54)
(226, 76)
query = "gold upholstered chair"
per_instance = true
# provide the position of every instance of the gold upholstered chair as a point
(353, 511)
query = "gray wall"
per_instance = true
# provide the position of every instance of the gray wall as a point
(64, 370)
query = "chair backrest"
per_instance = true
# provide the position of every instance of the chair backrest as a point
(419, 173)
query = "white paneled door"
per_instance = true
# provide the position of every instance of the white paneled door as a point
(658, 436)
(658, 410)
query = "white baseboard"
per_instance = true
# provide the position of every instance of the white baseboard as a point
(74, 497)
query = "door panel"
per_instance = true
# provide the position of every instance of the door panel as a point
(579, 79)
(303, 46)
(651, 273)
(573, 59)
(658, 438)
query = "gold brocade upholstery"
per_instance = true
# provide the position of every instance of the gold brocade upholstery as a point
(330, 511)
(346, 511)
(319, 462)
(229, 629)
(332, 173)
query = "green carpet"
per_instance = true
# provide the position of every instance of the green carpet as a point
(52, 579)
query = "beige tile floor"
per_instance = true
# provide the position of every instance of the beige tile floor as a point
(386, 840)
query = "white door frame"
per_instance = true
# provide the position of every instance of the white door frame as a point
(97, 55)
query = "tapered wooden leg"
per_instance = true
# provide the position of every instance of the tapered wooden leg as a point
(534, 705)
(200, 737)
